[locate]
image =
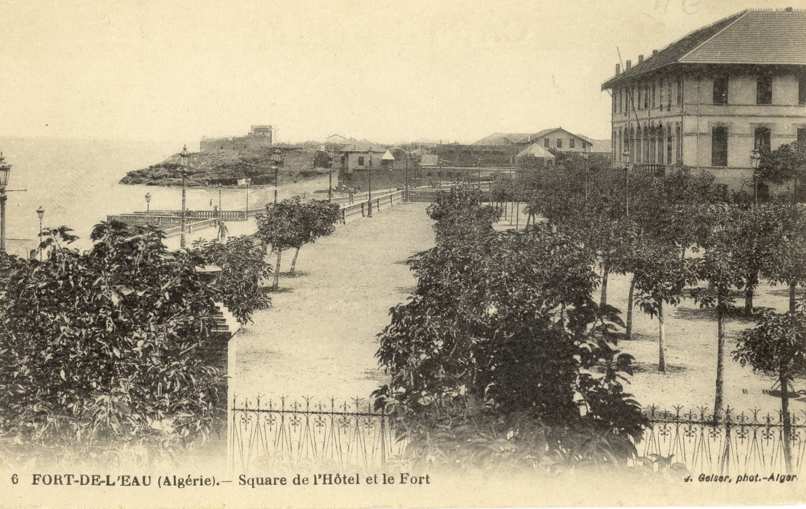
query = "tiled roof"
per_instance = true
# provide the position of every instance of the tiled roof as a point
(535, 150)
(517, 138)
(747, 37)
(503, 139)
(758, 37)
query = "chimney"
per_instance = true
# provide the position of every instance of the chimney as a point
(629, 65)
(654, 52)
(640, 59)
(618, 69)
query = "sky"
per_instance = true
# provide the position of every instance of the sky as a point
(389, 71)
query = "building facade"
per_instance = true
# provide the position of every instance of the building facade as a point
(707, 100)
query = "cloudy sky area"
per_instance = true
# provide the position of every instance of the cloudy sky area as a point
(388, 71)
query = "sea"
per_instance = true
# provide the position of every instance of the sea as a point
(75, 181)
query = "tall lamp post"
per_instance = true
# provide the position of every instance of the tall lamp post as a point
(369, 182)
(755, 159)
(40, 213)
(626, 158)
(148, 203)
(5, 173)
(184, 155)
(406, 178)
(277, 161)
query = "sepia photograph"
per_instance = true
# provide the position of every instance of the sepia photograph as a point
(363, 254)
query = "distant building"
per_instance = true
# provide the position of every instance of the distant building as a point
(360, 156)
(555, 138)
(358, 160)
(260, 136)
(707, 100)
(534, 156)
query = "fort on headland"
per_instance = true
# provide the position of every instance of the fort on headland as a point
(260, 136)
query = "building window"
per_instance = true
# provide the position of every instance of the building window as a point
(654, 91)
(669, 95)
(680, 91)
(762, 139)
(764, 89)
(679, 147)
(669, 145)
(719, 146)
(546, 142)
(802, 89)
(360, 160)
(721, 90)
(646, 97)
(559, 143)
(802, 137)
(571, 143)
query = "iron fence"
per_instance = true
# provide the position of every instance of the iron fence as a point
(733, 443)
(263, 433)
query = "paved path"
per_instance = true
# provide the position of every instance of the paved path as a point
(319, 339)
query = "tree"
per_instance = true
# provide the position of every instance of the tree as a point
(502, 330)
(719, 269)
(282, 228)
(243, 267)
(777, 346)
(787, 162)
(756, 232)
(659, 279)
(785, 254)
(102, 348)
(317, 219)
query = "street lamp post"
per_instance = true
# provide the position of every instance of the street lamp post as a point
(277, 161)
(5, 173)
(626, 159)
(406, 179)
(40, 212)
(148, 203)
(369, 182)
(184, 155)
(755, 159)
(325, 151)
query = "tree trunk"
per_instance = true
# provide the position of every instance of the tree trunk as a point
(720, 361)
(787, 431)
(603, 298)
(661, 340)
(792, 301)
(748, 301)
(749, 292)
(294, 262)
(276, 284)
(630, 305)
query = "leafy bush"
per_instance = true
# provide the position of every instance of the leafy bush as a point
(101, 350)
(243, 268)
(502, 338)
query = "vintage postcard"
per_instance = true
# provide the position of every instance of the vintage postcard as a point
(402, 254)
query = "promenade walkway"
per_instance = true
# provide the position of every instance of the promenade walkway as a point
(319, 339)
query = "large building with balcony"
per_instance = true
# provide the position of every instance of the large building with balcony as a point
(707, 100)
